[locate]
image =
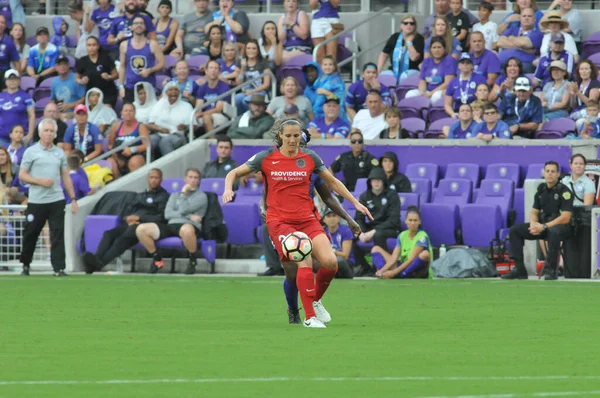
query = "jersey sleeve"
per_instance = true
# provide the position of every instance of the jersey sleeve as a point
(319, 165)
(346, 233)
(423, 241)
(255, 162)
(566, 200)
(27, 160)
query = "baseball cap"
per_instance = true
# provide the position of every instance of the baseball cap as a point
(81, 108)
(522, 84)
(557, 38)
(465, 57)
(559, 64)
(42, 30)
(11, 72)
(291, 109)
(61, 59)
(333, 98)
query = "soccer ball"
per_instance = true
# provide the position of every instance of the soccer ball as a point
(297, 246)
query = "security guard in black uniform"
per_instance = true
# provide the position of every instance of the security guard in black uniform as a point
(550, 220)
(356, 163)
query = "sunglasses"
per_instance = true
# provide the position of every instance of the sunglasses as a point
(356, 141)
(409, 23)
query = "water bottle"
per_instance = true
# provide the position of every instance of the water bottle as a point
(442, 251)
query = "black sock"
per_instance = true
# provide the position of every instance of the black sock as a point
(192, 257)
(156, 255)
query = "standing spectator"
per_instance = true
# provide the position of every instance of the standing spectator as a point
(187, 85)
(325, 23)
(556, 94)
(572, 16)
(65, 91)
(43, 166)
(552, 23)
(487, 28)
(330, 126)
(212, 115)
(17, 33)
(522, 42)
(584, 89)
(329, 83)
(102, 17)
(524, 113)
(465, 127)
(192, 31)
(214, 44)
(459, 22)
(442, 29)
(16, 149)
(405, 49)
(542, 73)
(357, 92)
(9, 55)
(394, 179)
(493, 127)
(50, 112)
(371, 121)
(394, 128)
(16, 107)
(122, 28)
(442, 9)
(166, 27)
(17, 12)
(294, 31)
(253, 123)
(42, 57)
(356, 163)
(230, 69)
(341, 237)
(83, 136)
(253, 66)
(130, 158)
(97, 70)
(60, 38)
(235, 22)
(290, 90)
(99, 114)
(485, 62)
(513, 19)
(145, 99)
(271, 48)
(140, 59)
(461, 89)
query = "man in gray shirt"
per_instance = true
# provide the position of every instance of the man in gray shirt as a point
(43, 166)
(184, 213)
(191, 34)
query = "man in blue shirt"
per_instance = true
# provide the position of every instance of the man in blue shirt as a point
(122, 25)
(65, 91)
(525, 112)
(42, 57)
(357, 92)
(523, 41)
(465, 127)
(330, 126)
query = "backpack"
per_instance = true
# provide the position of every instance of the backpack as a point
(213, 224)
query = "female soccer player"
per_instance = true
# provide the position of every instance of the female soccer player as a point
(287, 171)
(411, 256)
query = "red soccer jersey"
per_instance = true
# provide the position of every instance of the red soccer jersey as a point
(287, 183)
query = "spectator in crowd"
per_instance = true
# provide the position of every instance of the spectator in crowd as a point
(293, 29)
(223, 164)
(9, 55)
(394, 179)
(271, 48)
(331, 125)
(486, 27)
(493, 127)
(82, 136)
(123, 27)
(405, 49)
(214, 43)
(76, 12)
(132, 157)
(514, 19)
(442, 9)
(582, 187)
(459, 22)
(145, 99)
(341, 237)
(522, 42)
(186, 84)
(16, 107)
(572, 16)
(584, 88)
(588, 125)
(60, 38)
(436, 73)
(356, 163)
(149, 206)
(253, 65)
(143, 8)
(140, 59)
(169, 120)
(235, 22)
(556, 92)
(482, 93)
(230, 69)
(97, 70)
(542, 73)
(81, 184)
(462, 88)
(99, 114)
(465, 127)
(253, 123)
(505, 83)
(65, 91)
(16, 149)
(211, 116)
(50, 112)
(9, 171)
(524, 113)
(485, 62)
(290, 90)
(311, 72)
(102, 17)
(17, 33)
(329, 83)
(371, 121)
(394, 128)
(451, 44)
(191, 34)
(184, 213)
(552, 23)
(357, 92)
(477, 108)
(42, 57)
(325, 23)
(166, 27)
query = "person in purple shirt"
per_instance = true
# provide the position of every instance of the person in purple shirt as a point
(465, 127)
(486, 62)
(330, 126)
(357, 92)
(341, 237)
(462, 88)
(81, 184)
(9, 55)
(102, 17)
(83, 136)
(523, 42)
(557, 53)
(492, 127)
(16, 107)
(212, 115)
(16, 149)
(122, 26)
(324, 24)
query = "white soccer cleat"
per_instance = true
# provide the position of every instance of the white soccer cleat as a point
(314, 323)
(322, 313)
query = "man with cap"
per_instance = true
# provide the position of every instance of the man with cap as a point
(42, 57)
(485, 62)
(356, 163)
(357, 92)
(461, 89)
(552, 23)
(212, 115)
(83, 136)
(16, 107)
(557, 53)
(9, 55)
(329, 126)
(65, 92)
(525, 112)
(523, 42)
(291, 110)
(122, 26)
(371, 121)
(253, 123)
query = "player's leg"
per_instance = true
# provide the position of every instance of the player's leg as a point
(326, 257)
(147, 234)
(291, 292)
(380, 257)
(420, 263)
(188, 235)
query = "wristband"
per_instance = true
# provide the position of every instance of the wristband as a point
(545, 227)
(410, 43)
(133, 149)
(120, 86)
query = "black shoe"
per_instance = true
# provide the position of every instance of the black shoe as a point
(514, 274)
(550, 275)
(191, 268)
(157, 263)
(60, 273)
(91, 263)
(294, 317)
(272, 272)
(25, 271)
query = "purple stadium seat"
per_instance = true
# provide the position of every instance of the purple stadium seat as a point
(387, 80)
(595, 58)
(591, 45)
(160, 79)
(173, 184)
(503, 171)
(422, 187)
(535, 171)
(519, 205)
(104, 163)
(440, 222)
(40, 105)
(31, 40)
(241, 219)
(437, 111)
(413, 125)
(408, 199)
(196, 62)
(28, 84)
(216, 185)
(251, 189)
(71, 62)
(72, 41)
(428, 171)
(94, 228)
(349, 207)
(454, 191)
(170, 62)
(435, 128)
(405, 86)
(480, 224)
(413, 107)
(361, 186)
(556, 128)
(469, 171)
(43, 91)
(498, 193)
(293, 68)
(207, 247)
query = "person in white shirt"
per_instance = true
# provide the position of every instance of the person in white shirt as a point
(488, 28)
(371, 121)
(552, 23)
(571, 15)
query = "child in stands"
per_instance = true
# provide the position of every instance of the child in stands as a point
(81, 184)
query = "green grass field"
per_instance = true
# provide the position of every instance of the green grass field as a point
(172, 336)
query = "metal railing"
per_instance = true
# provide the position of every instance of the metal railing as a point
(12, 224)
(106, 155)
(231, 93)
(354, 49)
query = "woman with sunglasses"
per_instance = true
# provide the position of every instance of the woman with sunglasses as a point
(405, 49)
(492, 127)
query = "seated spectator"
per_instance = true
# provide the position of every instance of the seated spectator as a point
(166, 27)
(294, 31)
(270, 46)
(493, 127)
(341, 237)
(97, 70)
(223, 164)
(371, 121)
(186, 85)
(488, 28)
(462, 88)
(81, 184)
(572, 16)
(183, 214)
(253, 123)
(234, 22)
(60, 38)
(42, 57)
(214, 44)
(145, 99)
(442, 8)
(132, 157)
(16, 149)
(477, 109)
(192, 31)
(9, 55)
(290, 90)
(17, 33)
(99, 114)
(465, 127)
(459, 22)
(356, 163)
(588, 126)
(9, 173)
(211, 116)
(436, 73)
(513, 19)
(504, 86)
(482, 92)
(325, 23)
(556, 94)
(524, 113)
(50, 112)
(311, 72)
(102, 17)
(394, 179)
(412, 255)
(394, 128)
(253, 66)
(485, 62)
(584, 89)
(83, 136)
(230, 69)
(405, 49)
(65, 91)
(522, 42)
(169, 120)
(329, 83)
(357, 92)
(551, 24)
(443, 30)
(123, 26)
(330, 126)
(542, 73)
(16, 107)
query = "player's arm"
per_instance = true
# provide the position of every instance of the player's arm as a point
(393, 260)
(232, 176)
(334, 205)
(341, 190)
